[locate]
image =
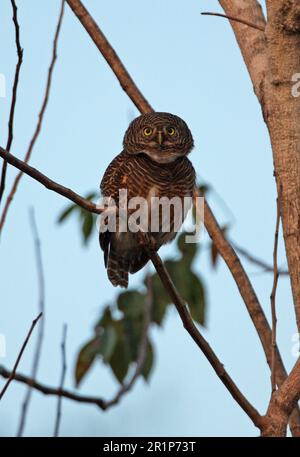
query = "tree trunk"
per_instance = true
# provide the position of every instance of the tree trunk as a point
(283, 120)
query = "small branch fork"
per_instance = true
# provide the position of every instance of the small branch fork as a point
(13, 372)
(48, 183)
(236, 19)
(259, 262)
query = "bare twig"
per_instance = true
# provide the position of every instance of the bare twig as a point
(291, 390)
(46, 390)
(14, 95)
(40, 118)
(100, 402)
(273, 298)
(62, 381)
(48, 183)
(236, 19)
(41, 286)
(259, 262)
(110, 55)
(13, 372)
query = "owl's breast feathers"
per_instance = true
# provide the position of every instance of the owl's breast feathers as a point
(141, 177)
(139, 174)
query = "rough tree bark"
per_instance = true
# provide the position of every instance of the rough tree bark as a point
(283, 120)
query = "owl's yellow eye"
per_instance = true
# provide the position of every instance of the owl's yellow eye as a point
(147, 131)
(171, 131)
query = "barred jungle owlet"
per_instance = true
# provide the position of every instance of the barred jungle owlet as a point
(152, 163)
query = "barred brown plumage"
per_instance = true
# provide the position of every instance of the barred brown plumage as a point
(153, 163)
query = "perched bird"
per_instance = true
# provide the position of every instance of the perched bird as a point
(153, 163)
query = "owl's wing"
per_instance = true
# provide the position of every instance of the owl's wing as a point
(109, 186)
(123, 254)
(112, 178)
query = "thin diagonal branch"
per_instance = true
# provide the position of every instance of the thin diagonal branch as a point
(236, 19)
(14, 95)
(48, 183)
(257, 261)
(110, 55)
(273, 299)
(40, 118)
(47, 390)
(62, 381)
(191, 328)
(39, 342)
(13, 372)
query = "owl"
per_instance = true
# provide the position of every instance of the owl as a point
(153, 163)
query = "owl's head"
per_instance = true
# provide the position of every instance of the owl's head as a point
(162, 136)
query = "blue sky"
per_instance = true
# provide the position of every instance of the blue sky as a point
(185, 64)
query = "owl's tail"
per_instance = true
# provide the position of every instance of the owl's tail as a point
(117, 270)
(116, 265)
(120, 262)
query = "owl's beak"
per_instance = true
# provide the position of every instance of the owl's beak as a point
(160, 138)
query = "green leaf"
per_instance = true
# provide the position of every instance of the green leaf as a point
(66, 213)
(109, 340)
(188, 250)
(90, 196)
(203, 189)
(86, 217)
(120, 360)
(85, 358)
(189, 286)
(105, 320)
(196, 299)
(149, 360)
(131, 303)
(132, 331)
(160, 300)
(87, 225)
